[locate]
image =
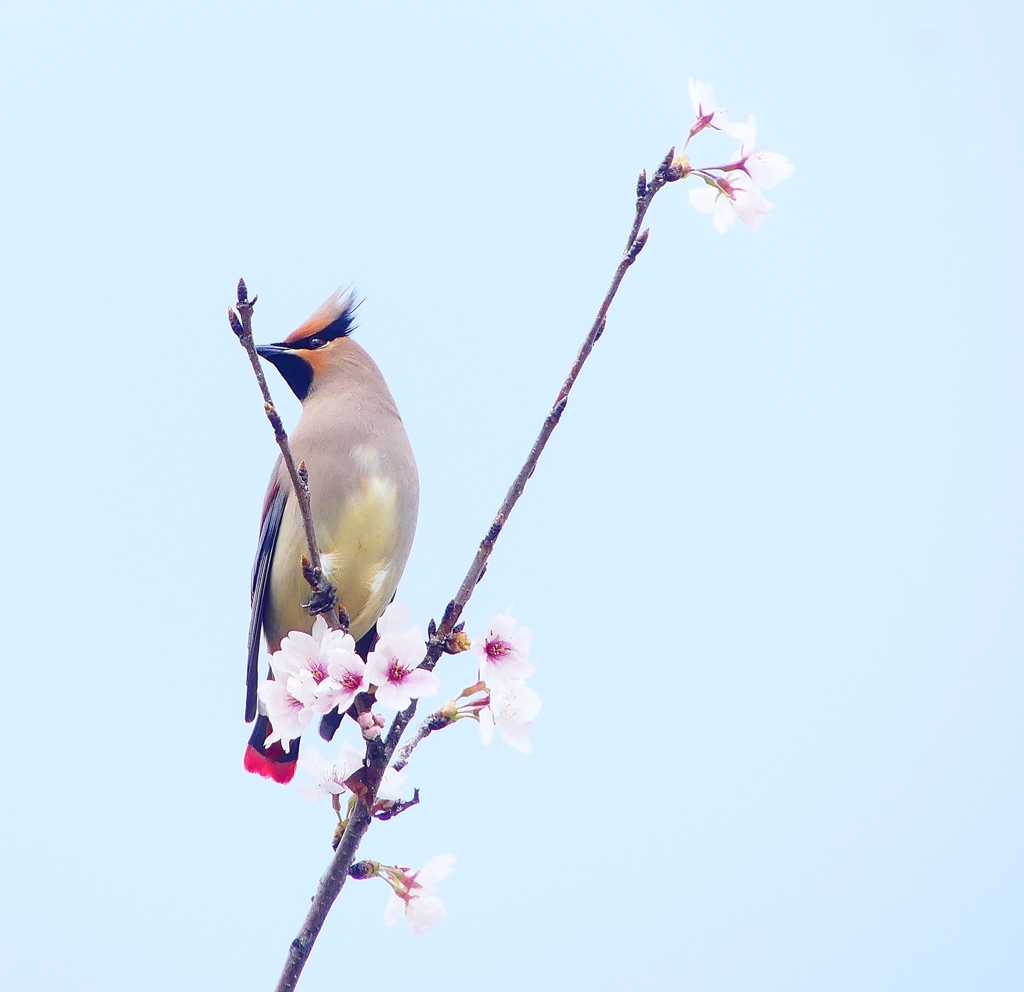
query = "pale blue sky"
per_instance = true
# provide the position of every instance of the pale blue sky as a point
(772, 560)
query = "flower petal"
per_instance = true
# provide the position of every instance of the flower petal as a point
(419, 682)
(393, 911)
(434, 870)
(394, 620)
(703, 198)
(393, 696)
(424, 912)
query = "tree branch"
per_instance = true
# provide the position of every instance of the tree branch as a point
(634, 245)
(323, 598)
(326, 892)
(436, 721)
(379, 753)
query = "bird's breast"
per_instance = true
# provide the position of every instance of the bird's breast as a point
(364, 548)
(364, 507)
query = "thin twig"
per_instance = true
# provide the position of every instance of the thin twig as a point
(634, 245)
(393, 809)
(326, 892)
(323, 598)
(379, 753)
(436, 721)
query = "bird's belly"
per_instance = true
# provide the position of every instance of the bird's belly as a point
(363, 551)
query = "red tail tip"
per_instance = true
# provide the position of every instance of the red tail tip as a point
(273, 766)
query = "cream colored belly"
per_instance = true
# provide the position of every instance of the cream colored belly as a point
(364, 553)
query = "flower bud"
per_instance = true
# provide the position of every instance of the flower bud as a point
(459, 642)
(679, 168)
(370, 724)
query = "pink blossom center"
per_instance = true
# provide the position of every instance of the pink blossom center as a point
(351, 680)
(397, 672)
(497, 649)
(317, 668)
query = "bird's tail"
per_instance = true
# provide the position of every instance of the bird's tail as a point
(271, 762)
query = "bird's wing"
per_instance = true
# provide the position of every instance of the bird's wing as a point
(273, 511)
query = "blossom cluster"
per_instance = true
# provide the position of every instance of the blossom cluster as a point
(734, 189)
(332, 778)
(508, 705)
(321, 671)
(314, 673)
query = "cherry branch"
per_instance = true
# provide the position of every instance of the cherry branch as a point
(437, 720)
(323, 597)
(646, 191)
(379, 753)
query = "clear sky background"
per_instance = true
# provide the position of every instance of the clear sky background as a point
(772, 559)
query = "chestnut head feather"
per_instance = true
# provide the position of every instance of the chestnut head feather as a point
(335, 318)
(294, 357)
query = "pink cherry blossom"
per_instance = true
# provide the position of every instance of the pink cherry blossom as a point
(414, 897)
(289, 715)
(320, 669)
(329, 777)
(347, 677)
(393, 663)
(503, 654)
(313, 673)
(302, 652)
(512, 711)
(733, 195)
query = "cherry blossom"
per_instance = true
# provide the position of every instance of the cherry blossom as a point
(414, 897)
(709, 113)
(329, 777)
(765, 168)
(311, 653)
(320, 669)
(347, 677)
(732, 190)
(503, 654)
(733, 195)
(390, 789)
(313, 673)
(288, 714)
(393, 663)
(512, 711)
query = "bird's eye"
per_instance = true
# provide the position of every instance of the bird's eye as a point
(316, 343)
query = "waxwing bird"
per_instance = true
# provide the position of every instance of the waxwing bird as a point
(364, 495)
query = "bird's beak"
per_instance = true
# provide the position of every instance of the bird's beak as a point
(271, 351)
(297, 372)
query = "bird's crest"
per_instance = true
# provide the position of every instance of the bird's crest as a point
(333, 319)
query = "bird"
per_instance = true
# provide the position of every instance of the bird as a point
(364, 500)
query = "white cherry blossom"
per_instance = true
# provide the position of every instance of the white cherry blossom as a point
(512, 711)
(329, 777)
(414, 897)
(391, 783)
(733, 195)
(765, 168)
(709, 113)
